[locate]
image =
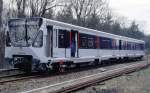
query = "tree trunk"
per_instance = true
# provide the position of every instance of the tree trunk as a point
(2, 45)
(1, 8)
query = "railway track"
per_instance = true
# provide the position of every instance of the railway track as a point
(23, 76)
(8, 75)
(9, 72)
(13, 79)
(75, 84)
(12, 75)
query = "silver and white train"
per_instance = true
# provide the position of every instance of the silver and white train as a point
(35, 44)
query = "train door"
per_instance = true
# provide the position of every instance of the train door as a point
(49, 42)
(74, 43)
(120, 45)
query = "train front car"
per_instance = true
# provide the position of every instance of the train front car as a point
(24, 43)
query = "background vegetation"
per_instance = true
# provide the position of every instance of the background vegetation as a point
(95, 14)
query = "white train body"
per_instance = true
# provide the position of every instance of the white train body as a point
(46, 42)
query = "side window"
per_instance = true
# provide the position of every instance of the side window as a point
(105, 43)
(132, 46)
(142, 46)
(63, 39)
(137, 46)
(91, 42)
(67, 39)
(8, 41)
(120, 45)
(114, 46)
(123, 45)
(83, 41)
(55, 38)
(129, 46)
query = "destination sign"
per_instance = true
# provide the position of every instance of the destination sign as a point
(34, 21)
(16, 22)
(23, 22)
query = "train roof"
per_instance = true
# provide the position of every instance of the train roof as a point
(75, 27)
(79, 28)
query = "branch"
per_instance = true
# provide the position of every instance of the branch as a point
(53, 7)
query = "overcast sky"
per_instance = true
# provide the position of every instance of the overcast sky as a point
(138, 10)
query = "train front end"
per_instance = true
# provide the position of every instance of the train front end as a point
(24, 43)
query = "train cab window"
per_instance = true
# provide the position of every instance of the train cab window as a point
(63, 39)
(38, 42)
(8, 41)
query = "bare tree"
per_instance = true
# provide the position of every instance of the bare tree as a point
(41, 7)
(84, 8)
(65, 15)
(18, 7)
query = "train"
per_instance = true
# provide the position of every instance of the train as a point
(40, 44)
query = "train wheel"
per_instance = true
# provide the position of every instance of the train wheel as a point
(61, 69)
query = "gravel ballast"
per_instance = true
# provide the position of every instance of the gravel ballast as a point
(25, 85)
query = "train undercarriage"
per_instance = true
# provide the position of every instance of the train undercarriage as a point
(27, 64)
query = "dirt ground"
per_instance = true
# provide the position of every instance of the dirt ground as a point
(137, 82)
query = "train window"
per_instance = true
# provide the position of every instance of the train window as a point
(141, 46)
(91, 42)
(83, 40)
(114, 46)
(133, 46)
(63, 39)
(55, 37)
(8, 41)
(136, 46)
(120, 45)
(38, 42)
(129, 46)
(67, 39)
(106, 43)
(124, 45)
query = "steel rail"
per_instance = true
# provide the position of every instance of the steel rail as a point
(17, 79)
